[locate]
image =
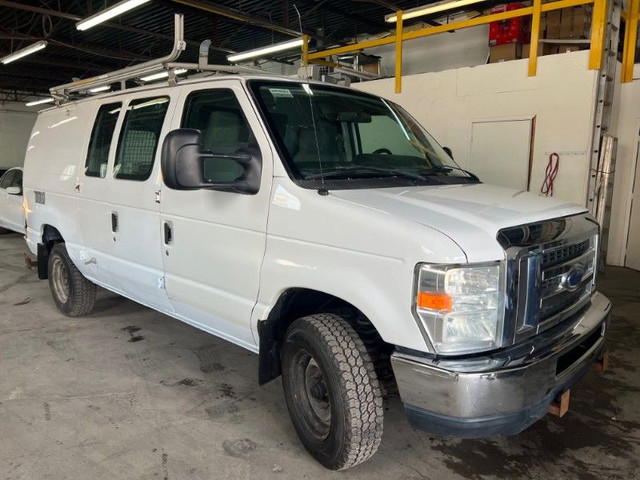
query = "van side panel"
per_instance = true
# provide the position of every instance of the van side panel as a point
(53, 163)
(341, 249)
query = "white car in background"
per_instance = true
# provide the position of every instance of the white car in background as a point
(11, 210)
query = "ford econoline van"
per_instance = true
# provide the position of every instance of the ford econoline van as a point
(325, 230)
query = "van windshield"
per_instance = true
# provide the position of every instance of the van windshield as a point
(352, 139)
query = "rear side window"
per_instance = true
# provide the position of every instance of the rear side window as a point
(139, 138)
(218, 115)
(7, 179)
(101, 136)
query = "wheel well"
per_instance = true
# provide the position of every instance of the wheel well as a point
(50, 236)
(299, 302)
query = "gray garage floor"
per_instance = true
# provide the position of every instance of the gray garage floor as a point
(130, 393)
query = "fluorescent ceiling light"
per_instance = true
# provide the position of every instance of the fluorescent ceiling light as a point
(39, 102)
(165, 74)
(265, 51)
(24, 52)
(103, 88)
(155, 101)
(429, 9)
(109, 13)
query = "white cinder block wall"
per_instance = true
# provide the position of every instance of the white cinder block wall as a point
(16, 122)
(560, 97)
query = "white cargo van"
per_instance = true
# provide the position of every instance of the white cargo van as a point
(325, 230)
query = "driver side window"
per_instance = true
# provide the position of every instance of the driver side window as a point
(218, 115)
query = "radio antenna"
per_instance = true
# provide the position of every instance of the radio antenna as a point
(323, 189)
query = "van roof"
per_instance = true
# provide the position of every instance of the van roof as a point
(241, 77)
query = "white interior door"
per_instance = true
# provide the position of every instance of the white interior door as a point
(501, 151)
(632, 257)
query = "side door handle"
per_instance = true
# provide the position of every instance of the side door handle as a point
(114, 222)
(168, 233)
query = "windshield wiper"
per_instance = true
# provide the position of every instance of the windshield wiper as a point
(447, 169)
(364, 170)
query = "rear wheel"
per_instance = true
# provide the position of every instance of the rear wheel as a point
(73, 293)
(332, 391)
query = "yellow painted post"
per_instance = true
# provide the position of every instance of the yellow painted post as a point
(535, 36)
(631, 38)
(625, 47)
(399, 52)
(598, 34)
(305, 50)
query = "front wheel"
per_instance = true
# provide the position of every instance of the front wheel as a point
(73, 293)
(332, 391)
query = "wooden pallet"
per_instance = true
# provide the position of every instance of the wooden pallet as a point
(602, 364)
(560, 405)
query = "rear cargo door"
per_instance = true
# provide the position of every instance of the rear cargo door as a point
(97, 254)
(133, 196)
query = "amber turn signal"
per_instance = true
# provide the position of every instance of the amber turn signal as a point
(434, 301)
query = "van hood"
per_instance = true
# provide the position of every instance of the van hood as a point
(471, 215)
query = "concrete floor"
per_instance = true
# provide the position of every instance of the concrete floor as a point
(128, 393)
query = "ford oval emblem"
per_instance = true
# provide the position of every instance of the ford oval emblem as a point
(573, 278)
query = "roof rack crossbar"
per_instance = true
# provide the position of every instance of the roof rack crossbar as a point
(61, 92)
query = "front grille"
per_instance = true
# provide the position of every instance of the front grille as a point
(557, 297)
(560, 302)
(550, 281)
(561, 254)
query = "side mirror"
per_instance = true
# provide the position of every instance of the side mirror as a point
(14, 191)
(184, 161)
(448, 151)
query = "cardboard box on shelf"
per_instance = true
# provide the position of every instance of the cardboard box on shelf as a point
(543, 49)
(569, 23)
(504, 53)
(553, 24)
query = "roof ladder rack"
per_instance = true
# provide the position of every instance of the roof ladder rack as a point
(62, 93)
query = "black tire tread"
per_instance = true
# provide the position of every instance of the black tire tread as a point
(82, 295)
(363, 399)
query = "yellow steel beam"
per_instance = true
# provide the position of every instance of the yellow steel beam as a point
(399, 51)
(598, 34)
(625, 49)
(495, 17)
(305, 50)
(424, 32)
(548, 7)
(535, 35)
(631, 38)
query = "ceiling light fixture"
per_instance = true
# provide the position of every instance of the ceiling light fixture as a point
(103, 88)
(165, 74)
(33, 103)
(265, 51)
(429, 9)
(109, 13)
(23, 52)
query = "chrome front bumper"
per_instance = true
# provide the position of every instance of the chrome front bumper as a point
(505, 392)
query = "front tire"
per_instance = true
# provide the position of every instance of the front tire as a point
(332, 391)
(73, 293)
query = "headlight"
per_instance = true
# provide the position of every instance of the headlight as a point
(461, 307)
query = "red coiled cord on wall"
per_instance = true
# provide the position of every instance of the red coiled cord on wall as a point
(550, 175)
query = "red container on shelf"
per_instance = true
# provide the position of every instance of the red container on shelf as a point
(513, 30)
